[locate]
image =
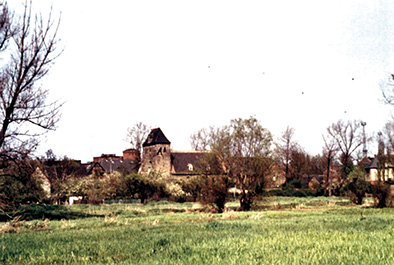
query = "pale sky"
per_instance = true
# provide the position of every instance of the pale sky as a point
(185, 65)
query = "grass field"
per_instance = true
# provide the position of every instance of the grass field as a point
(280, 231)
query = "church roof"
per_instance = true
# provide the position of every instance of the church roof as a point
(186, 162)
(156, 136)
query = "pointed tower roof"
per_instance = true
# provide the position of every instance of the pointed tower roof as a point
(156, 136)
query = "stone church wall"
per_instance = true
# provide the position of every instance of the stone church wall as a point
(157, 157)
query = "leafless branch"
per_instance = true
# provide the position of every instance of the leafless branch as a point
(137, 134)
(34, 48)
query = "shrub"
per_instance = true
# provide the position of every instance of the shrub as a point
(191, 187)
(45, 211)
(289, 191)
(145, 187)
(357, 185)
(382, 195)
(41, 212)
(214, 191)
(19, 186)
(175, 191)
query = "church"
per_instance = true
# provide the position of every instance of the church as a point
(158, 156)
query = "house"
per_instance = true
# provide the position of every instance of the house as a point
(95, 168)
(275, 178)
(158, 157)
(373, 173)
(315, 181)
(365, 162)
(108, 163)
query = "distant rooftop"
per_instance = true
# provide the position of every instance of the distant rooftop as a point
(187, 162)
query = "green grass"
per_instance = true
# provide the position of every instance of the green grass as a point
(298, 231)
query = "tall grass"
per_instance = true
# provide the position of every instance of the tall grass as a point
(317, 232)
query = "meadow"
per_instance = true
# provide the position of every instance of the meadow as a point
(278, 231)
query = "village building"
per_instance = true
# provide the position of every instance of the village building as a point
(109, 163)
(158, 157)
(275, 178)
(373, 172)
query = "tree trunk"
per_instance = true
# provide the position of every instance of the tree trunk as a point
(328, 168)
(245, 202)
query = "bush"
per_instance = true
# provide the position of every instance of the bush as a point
(191, 187)
(358, 186)
(296, 184)
(290, 191)
(42, 212)
(214, 191)
(382, 195)
(175, 192)
(145, 187)
(19, 186)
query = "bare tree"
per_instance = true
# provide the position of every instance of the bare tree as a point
(381, 158)
(137, 134)
(380, 188)
(387, 89)
(202, 139)
(347, 137)
(330, 150)
(25, 113)
(300, 162)
(388, 132)
(5, 25)
(284, 148)
(317, 164)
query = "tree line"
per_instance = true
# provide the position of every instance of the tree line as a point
(247, 152)
(241, 154)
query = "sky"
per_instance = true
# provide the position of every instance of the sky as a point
(186, 65)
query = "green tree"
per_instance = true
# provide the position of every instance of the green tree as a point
(58, 170)
(243, 151)
(19, 186)
(214, 182)
(192, 186)
(144, 187)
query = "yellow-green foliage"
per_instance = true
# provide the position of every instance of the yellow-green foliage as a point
(103, 187)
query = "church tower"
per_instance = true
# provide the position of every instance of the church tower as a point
(156, 153)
